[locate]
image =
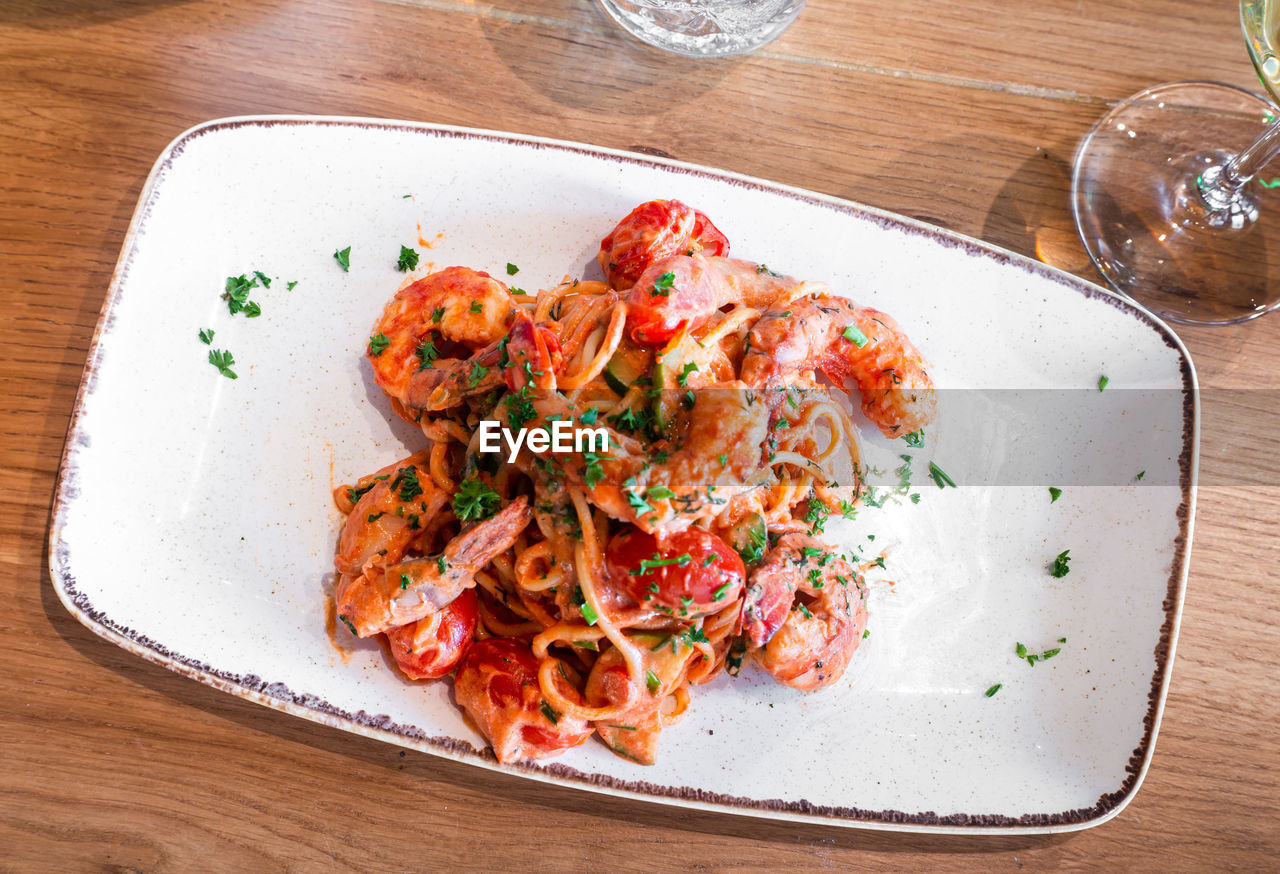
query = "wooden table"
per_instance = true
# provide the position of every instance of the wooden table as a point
(964, 114)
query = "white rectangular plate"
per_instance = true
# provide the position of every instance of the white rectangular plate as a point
(193, 523)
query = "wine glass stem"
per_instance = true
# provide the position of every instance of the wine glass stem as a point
(1247, 164)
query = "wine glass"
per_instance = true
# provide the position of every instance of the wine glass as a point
(1167, 197)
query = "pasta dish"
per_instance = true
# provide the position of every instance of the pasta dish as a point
(585, 586)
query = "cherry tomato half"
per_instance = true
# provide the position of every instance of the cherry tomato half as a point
(691, 573)
(497, 684)
(432, 647)
(656, 230)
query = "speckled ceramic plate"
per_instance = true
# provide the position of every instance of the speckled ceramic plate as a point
(193, 523)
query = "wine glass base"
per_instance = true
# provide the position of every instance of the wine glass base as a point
(1142, 219)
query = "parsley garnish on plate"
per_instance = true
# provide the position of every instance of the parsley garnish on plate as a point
(344, 259)
(993, 690)
(408, 259)
(206, 337)
(1102, 382)
(378, 344)
(1054, 493)
(223, 360)
(915, 439)
(939, 476)
(475, 500)
(662, 285)
(476, 307)
(1059, 568)
(236, 294)
(512, 269)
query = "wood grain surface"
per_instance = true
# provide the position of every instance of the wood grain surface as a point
(965, 114)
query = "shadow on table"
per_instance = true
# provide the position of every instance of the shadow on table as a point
(72, 14)
(587, 62)
(498, 788)
(1031, 214)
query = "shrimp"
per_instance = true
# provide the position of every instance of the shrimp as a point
(683, 291)
(653, 231)
(424, 326)
(813, 645)
(845, 342)
(397, 591)
(391, 508)
(497, 685)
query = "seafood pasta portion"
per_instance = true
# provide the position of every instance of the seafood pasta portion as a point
(586, 591)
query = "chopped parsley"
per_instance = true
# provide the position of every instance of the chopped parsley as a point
(437, 314)
(427, 353)
(1031, 658)
(343, 257)
(993, 690)
(939, 476)
(478, 372)
(683, 376)
(206, 337)
(378, 344)
(236, 294)
(290, 285)
(549, 712)
(854, 336)
(1059, 568)
(915, 439)
(350, 627)
(475, 500)
(512, 269)
(1054, 493)
(590, 416)
(223, 361)
(652, 682)
(441, 564)
(404, 581)
(408, 259)
(658, 493)
(657, 561)
(1102, 382)
(406, 482)
(588, 612)
(757, 540)
(592, 472)
(637, 502)
(1140, 475)
(520, 409)
(723, 458)
(662, 285)
(476, 307)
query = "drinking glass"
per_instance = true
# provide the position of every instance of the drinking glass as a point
(704, 28)
(1167, 197)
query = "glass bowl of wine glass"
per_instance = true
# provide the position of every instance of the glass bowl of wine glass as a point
(1172, 198)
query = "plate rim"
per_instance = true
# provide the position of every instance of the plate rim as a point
(380, 727)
